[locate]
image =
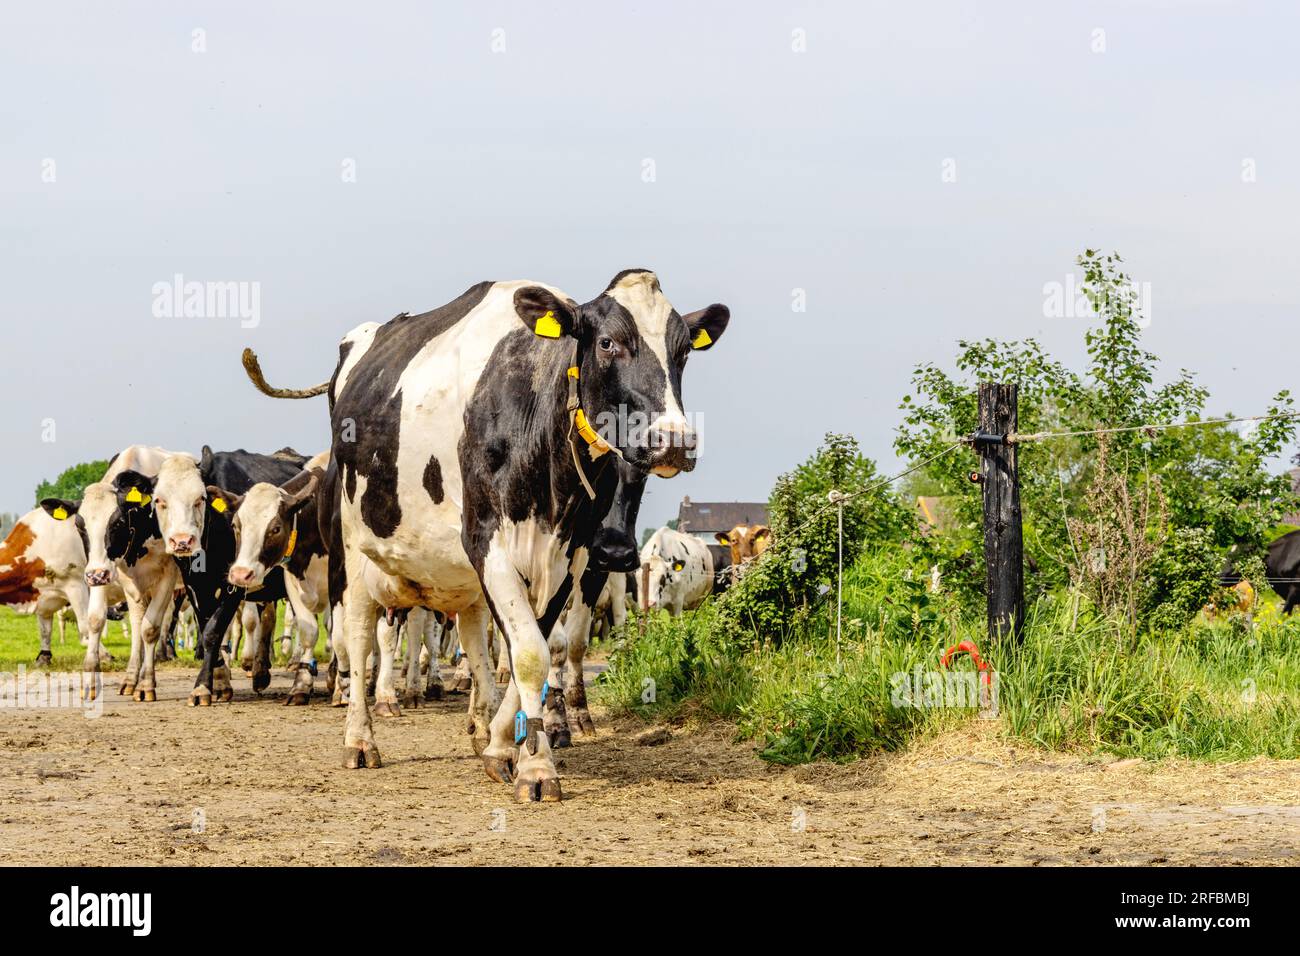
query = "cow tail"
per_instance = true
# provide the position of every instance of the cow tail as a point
(254, 369)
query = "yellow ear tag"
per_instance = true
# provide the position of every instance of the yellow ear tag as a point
(724, 541)
(547, 326)
(134, 497)
(59, 514)
(219, 505)
(701, 340)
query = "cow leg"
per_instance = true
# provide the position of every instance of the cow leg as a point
(96, 618)
(1292, 599)
(577, 633)
(134, 612)
(249, 652)
(497, 755)
(259, 625)
(305, 627)
(554, 715)
(499, 655)
(433, 644)
(45, 624)
(341, 678)
(213, 679)
(153, 624)
(529, 657)
(415, 622)
(385, 692)
(360, 617)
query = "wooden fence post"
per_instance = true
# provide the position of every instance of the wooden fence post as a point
(1003, 537)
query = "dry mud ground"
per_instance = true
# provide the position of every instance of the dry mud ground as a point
(124, 789)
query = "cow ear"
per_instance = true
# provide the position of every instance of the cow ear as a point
(723, 539)
(545, 313)
(60, 509)
(134, 488)
(707, 325)
(297, 491)
(763, 531)
(205, 461)
(223, 502)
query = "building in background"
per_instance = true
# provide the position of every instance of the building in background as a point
(704, 519)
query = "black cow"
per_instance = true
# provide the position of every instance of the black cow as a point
(470, 464)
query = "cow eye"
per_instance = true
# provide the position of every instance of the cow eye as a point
(276, 529)
(606, 344)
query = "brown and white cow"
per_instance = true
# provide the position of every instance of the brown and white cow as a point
(746, 541)
(42, 570)
(277, 526)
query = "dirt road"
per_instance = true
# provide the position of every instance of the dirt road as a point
(255, 782)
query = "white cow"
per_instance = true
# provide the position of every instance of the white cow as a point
(681, 572)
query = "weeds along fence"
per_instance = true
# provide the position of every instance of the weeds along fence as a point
(997, 442)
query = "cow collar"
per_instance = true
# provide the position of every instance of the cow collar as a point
(578, 423)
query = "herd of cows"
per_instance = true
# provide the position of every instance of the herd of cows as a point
(465, 481)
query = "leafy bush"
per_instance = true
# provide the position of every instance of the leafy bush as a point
(777, 592)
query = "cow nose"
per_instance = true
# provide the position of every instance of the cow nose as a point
(98, 577)
(181, 543)
(240, 577)
(672, 449)
(613, 551)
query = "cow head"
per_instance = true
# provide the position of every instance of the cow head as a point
(117, 518)
(181, 502)
(633, 346)
(747, 542)
(265, 526)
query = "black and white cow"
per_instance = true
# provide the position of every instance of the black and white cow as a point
(613, 554)
(123, 551)
(679, 575)
(194, 522)
(469, 477)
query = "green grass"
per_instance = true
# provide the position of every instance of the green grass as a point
(1077, 683)
(20, 641)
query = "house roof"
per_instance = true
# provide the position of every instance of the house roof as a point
(694, 517)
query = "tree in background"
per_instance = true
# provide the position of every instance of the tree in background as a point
(1213, 477)
(71, 484)
(7, 521)
(776, 591)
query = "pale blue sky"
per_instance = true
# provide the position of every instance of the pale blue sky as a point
(776, 170)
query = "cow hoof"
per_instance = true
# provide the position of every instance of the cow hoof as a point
(145, 696)
(559, 738)
(366, 756)
(44, 659)
(126, 690)
(585, 724)
(248, 668)
(299, 698)
(433, 691)
(200, 697)
(89, 692)
(338, 700)
(261, 681)
(499, 769)
(386, 708)
(539, 791)
(410, 700)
